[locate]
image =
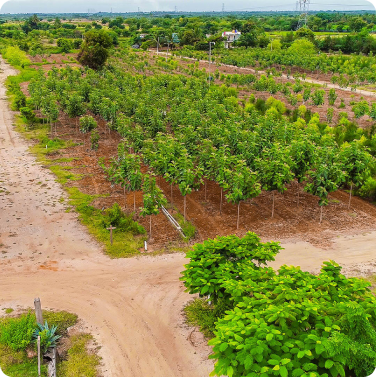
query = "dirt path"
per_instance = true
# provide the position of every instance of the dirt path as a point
(133, 306)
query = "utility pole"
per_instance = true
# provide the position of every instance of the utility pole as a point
(210, 52)
(158, 46)
(304, 10)
(223, 7)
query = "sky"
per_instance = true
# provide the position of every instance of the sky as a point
(80, 6)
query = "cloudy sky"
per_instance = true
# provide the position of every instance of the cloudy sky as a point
(55, 6)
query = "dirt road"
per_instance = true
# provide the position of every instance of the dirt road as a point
(133, 307)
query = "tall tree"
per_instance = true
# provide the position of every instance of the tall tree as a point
(95, 49)
(153, 198)
(357, 164)
(325, 177)
(274, 169)
(242, 185)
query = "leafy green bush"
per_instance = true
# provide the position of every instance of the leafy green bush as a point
(117, 218)
(368, 189)
(17, 333)
(15, 56)
(29, 115)
(87, 123)
(286, 322)
(19, 101)
(211, 259)
(94, 139)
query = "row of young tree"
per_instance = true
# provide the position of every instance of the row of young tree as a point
(190, 134)
(357, 68)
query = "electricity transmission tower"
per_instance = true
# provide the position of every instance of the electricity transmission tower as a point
(303, 9)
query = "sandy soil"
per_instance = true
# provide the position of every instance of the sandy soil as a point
(134, 306)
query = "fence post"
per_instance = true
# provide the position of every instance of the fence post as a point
(38, 344)
(38, 310)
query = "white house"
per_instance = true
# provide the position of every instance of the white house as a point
(231, 37)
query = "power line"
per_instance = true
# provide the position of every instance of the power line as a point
(303, 9)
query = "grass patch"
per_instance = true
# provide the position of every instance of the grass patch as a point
(79, 361)
(62, 320)
(125, 243)
(189, 229)
(203, 315)
(8, 310)
(27, 368)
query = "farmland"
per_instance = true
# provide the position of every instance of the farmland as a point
(274, 137)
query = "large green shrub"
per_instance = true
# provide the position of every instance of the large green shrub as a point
(286, 322)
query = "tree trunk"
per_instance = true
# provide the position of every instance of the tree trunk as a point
(134, 201)
(185, 197)
(273, 206)
(321, 214)
(206, 183)
(125, 199)
(220, 206)
(150, 229)
(237, 223)
(172, 199)
(350, 195)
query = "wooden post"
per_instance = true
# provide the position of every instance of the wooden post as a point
(38, 311)
(38, 344)
(111, 228)
(54, 362)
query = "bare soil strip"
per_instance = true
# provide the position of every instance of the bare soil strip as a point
(133, 306)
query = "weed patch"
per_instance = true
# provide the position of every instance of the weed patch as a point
(79, 361)
(203, 315)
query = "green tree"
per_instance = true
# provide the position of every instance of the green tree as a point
(303, 154)
(357, 164)
(318, 97)
(360, 109)
(332, 96)
(64, 44)
(241, 185)
(274, 170)
(153, 198)
(95, 49)
(302, 47)
(330, 114)
(187, 176)
(87, 124)
(326, 177)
